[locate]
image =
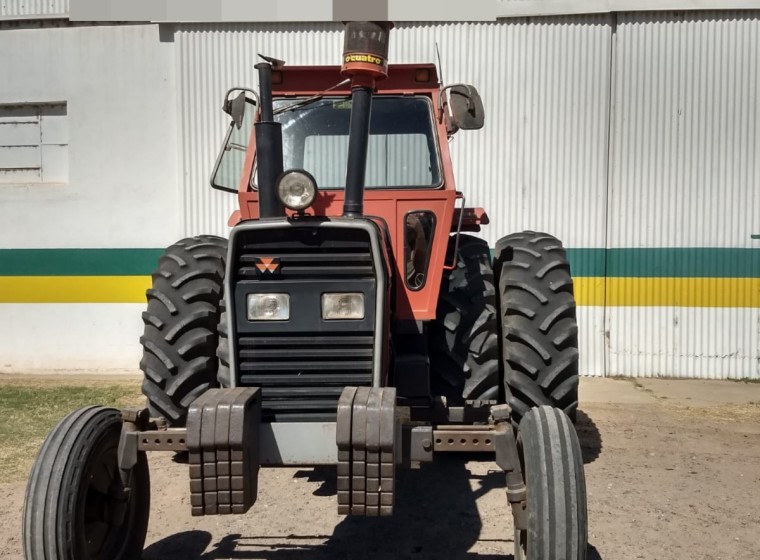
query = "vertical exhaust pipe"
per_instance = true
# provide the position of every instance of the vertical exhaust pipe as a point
(365, 60)
(268, 148)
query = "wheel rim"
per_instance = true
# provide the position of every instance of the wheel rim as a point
(106, 516)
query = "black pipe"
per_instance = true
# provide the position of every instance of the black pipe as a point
(268, 148)
(265, 91)
(358, 140)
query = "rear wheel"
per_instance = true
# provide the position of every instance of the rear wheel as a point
(76, 505)
(555, 488)
(539, 330)
(223, 375)
(463, 339)
(180, 338)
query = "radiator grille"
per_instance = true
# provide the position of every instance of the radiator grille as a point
(302, 377)
(302, 374)
(330, 260)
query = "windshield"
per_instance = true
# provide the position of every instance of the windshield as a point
(402, 148)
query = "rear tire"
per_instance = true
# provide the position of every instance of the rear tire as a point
(223, 375)
(539, 330)
(555, 488)
(74, 495)
(180, 338)
(463, 340)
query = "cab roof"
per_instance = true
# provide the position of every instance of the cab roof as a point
(300, 80)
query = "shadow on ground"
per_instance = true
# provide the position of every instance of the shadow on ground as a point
(589, 437)
(435, 516)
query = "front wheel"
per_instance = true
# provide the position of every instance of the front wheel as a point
(75, 505)
(552, 464)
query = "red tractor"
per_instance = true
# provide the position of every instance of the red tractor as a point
(347, 321)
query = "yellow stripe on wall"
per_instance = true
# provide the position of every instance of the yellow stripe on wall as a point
(620, 292)
(683, 292)
(589, 290)
(73, 289)
(668, 292)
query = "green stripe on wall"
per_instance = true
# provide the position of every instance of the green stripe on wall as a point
(586, 262)
(78, 262)
(684, 263)
(666, 263)
(614, 263)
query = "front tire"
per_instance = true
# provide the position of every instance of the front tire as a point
(552, 465)
(180, 339)
(75, 506)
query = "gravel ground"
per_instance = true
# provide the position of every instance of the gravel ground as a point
(673, 472)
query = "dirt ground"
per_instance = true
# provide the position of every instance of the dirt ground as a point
(672, 468)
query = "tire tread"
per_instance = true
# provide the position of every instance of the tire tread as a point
(555, 482)
(539, 331)
(48, 531)
(179, 340)
(463, 340)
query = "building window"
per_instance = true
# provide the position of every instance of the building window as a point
(34, 143)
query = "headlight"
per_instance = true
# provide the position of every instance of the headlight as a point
(343, 306)
(296, 189)
(268, 307)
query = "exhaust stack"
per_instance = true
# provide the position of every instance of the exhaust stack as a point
(269, 147)
(365, 60)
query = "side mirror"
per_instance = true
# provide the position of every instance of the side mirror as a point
(239, 103)
(466, 107)
(235, 107)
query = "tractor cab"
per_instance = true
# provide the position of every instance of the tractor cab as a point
(409, 187)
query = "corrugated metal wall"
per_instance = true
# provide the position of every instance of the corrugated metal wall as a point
(686, 174)
(686, 130)
(22, 9)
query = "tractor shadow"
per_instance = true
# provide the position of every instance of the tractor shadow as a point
(589, 438)
(436, 516)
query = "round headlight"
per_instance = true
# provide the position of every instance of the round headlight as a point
(296, 189)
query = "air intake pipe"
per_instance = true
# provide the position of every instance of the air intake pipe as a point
(365, 60)
(268, 148)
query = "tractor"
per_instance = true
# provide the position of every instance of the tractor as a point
(350, 319)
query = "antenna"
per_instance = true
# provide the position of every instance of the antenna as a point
(440, 66)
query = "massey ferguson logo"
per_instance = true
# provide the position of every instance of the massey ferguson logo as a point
(268, 265)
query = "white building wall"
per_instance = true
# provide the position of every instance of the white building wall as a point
(119, 86)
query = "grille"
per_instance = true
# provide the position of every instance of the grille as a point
(302, 374)
(331, 259)
(302, 377)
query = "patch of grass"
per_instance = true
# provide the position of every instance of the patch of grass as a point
(29, 410)
(746, 380)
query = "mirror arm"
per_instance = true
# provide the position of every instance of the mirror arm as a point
(249, 90)
(443, 105)
(232, 106)
(443, 89)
